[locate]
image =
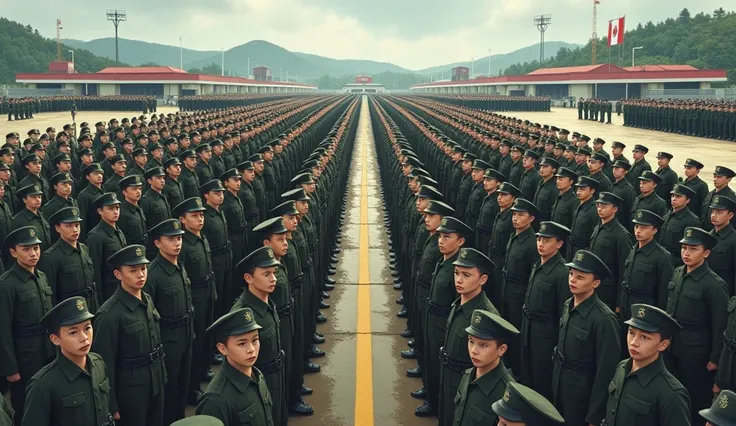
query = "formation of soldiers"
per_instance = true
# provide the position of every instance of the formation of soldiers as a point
(22, 108)
(215, 101)
(703, 118)
(596, 109)
(123, 243)
(605, 299)
(495, 102)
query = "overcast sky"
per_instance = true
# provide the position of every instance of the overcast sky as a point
(411, 33)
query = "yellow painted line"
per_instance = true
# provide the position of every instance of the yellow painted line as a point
(364, 352)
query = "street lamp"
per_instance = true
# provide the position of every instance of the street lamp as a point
(72, 52)
(633, 53)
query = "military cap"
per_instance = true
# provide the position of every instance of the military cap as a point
(507, 143)
(649, 175)
(94, 167)
(60, 142)
(551, 229)
(128, 256)
(67, 312)
(571, 148)
(106, 199)
(472, 258)
(599, 156)
(62, 157)
(576, 134)
(65, 215)
(609, 198)
(173, 161)
(216, 142)
(450, 225)
(33, 132)
(523, 404)
(275, 225)
(693, 163)
(568, 173)
(549, 161)
(107, 145)
(418, 172)
(11, 135)
(153, 172)
(181, 136)
(118, 130)
(264, 149)
(412, 161)
(586, 138)
(285, 208)
(193, 133)
(621, 164)
(7, 150)
(201, 148)
(685, 190)
(213, 185)
(118, 158)
(245, 165)
(469, 156)
(617, 144)
(132, 180)
(652, 319)
(429, 191)
(231, 173)
(138, 152)
(721, 202)
(189, 153)
(586, 261)
(646, 217)
(425, 180)
(641, 148)
(487, 325)
(199, 420)
(167, 228)
(491, 173)
(459, 149)
(28, 190)
(480, 164)
(4, 166)
(439, 208)
(724, 171)
(297, 194)
(190, 205)
(524, 205)
(550, 141)
(584, 150)
(84, 137)
(554, 128)
(238, 322)
(508, 188)
(104, 133)
(23, 236)
(59, 178)
(564, 131)
(663, 154)
(518, 148)
(153, 132)
(723, 410)
(127, 141)
(586, 182)
(31, 158)
(599, 141)
(154, 147)
(37, 146)
(531, 154)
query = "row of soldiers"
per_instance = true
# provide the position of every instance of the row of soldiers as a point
(714, 119)
(596, 109)
(157, 267)
(22, 108)
(495, 102)
(215, 101)
(530, 282)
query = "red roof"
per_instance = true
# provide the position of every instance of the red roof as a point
(141, 70)
(581, 69)
(661, 68)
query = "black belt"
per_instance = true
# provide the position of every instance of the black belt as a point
(251, 215)
(498, 252)
(273, 365)
(29, 330)
(296, 282)
(452, 364)
(424, 283)
(221, 249)
(86, 292)
(204, 281)
(513, 278)
(636, 292)
(439, 310)
(537, 315)
(729, 343)
(483, 230)
(284, 310)
(142, 361)
(178, 322)
(580, 367)
(693, 325)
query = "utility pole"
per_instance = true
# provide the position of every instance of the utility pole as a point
(542, 22)
(116, 17)
(594, 37)
(489, 62)
(58, 40)
(633, 54)
(72, 52)
(181, 54)
(222, 64)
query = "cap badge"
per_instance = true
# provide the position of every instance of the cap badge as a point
(463, 254)
(80, 305)
(32, 232)
(270, 254)
(641, 313)
(36, 187)
(429, 205)
(248, 316)
(716, 199)
(75, 212)
(477, 319)
(176, 225)
(689, 233)
(723, 401)
(543, 228)
(579, 257)
(444, 221)
(138, 252)
(506, 396)
(198, 202)
(639, 214)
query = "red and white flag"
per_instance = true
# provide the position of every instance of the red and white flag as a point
(615, 32)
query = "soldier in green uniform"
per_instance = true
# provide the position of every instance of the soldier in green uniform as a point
(132, 221)
(248, 200)
(61, 198)
(676, 220)
(546, 191)
(580, 164)
(485, 382)
(74, 388)
(596, 168)
(488, 210)
(545, 297)
(500, 235)
(698, 299)
(103, 241)
(477, 193)
(238, 394)
(67, 264)
(722, 412)
(140, 158)
(622, 188)
(87, 211)
(612, 243)
(516, 168)
(642, 390)
(522, 406)
(33, 175)
(172, 190)
(232, 208)
(118, 165)
(693, 181)
(25, 297)
(171, 293)
(648, 198)
(215, 229)
(669, 176)
(565, 202)
(129, 339)
(188, 178)
(258, 270)
(588, 346)
(639, 166)
(259, 185)
(472, 270)
(722, 259)
(585, 216)
(466, 184)
(31, 214)
(722, 177)
(154, 205)
(530, 177)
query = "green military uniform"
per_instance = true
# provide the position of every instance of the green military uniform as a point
(651, 394)
(475, 394)
(545, 297)
(530, 178)
(722, 412)
(584, 220)
(488, 211)
(132, 221)
(233, 209)
(638, 167)
(723, 192)
(475, 198)
(588, 349)
(652, 201)
(675, 223)
(129, 338)
(500, 236)
(35, 219)
(565, 203)
(726, 374)
(203, 169)
(233, 397)
(188, 178)
(698, 186)
(668, 178)
(250, 208)
(215, 229)
(722, 259)
(57, 202)
(546, 192)
(86, 199)
(154, 205)
(62, 393)
(103, 241)
(523, 404)
(172, 191)
(171, 292)
(623, 189)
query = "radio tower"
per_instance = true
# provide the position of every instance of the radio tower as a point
(542, 22)
(594, 39)
(58, 39)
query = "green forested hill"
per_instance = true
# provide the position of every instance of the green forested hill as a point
(705, 41)
(22, 49)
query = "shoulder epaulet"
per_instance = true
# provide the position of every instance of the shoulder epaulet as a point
(52, 248)
(216, 386)
(672, 380)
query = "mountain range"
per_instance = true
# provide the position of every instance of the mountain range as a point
(281, 61)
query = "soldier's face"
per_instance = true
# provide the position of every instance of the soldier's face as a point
(27, 256)
(278, 243)
(432, 221)
(582, 283)
(194, 221)
(477, 175)
(638, 155)
(215, 197)
(515, 155)
(302, 207)
(569, 155)
(190, 162)
(619, 173)
(663, 162)
(693, 256)
(157, 182)
(132, 193)
(241, 350)
(169, 245)
(468, 280)
(290, 222)
(110, 214)
(583, 193)
(720, 181)
(521, 220)
(490, 184)
(605, 210)
(647, 186)
(484, 352)
(263, 280)
(548, 246)
(450, 242)
(421, 204)
(594, 165)
(132, 276)
(34, 167)
(643, 345)
(64, 189)
(32, 201)
(69, 231)
(720, 218)
(74, 340)
(644, 233)
(678, 201)
(580, 158)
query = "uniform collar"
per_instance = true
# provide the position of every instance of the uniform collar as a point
(258, 305)
(648, 373)
(723, 233)
(474, 303)
(524, 234)
(698, 273)
(648, 248)
(70, 369)
(551, 263)
(236, 377)
(608, 226)
(22, 272)
(584, 308)
(130, 301)
(488, 381)
(65, 247)
(190, 237)
(107, 228)
(167, 266)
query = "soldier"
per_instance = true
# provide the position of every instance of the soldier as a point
(676, 220)
(132, 220)
(530, 177)
(171, 293)
(698, 298)
(172, 190)
(585, 217)
(612, 243)
(522, 406)
(140, 159)
(230, 393)
(269, 176)
(154, 205)
(639, 166)
(669, 176)
(596, 167)
(31, 215)
(466, 183)
(546, 192)
(129, 338)
(232, 208)
(516, 168)
(582, 369)
(259, 185)
(118, 165)
(215, 229)
(258, 270)
(565, 203)
(580, 166)
(648, 198)
(693, 181)
(67, 264)
(505, 162)
(477, 193)
(643, 378)
(25, 297)
(472, 270)
(719, 414)
(76, 375)
(217, 162)
(103, 241)
(188, 178)
(723, 254)
(489, 209)
(721, 180)
(622, 188)
(486, 381)
(248, 200)
(500, 235)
